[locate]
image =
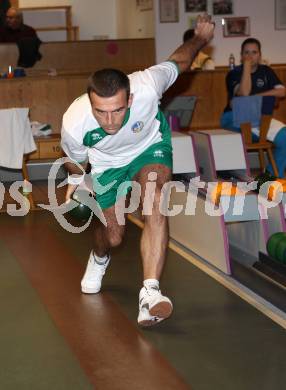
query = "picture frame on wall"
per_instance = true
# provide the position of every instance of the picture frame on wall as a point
(280, 15)
(222, 7)
(236, 27)
(196, 5)
(169, 11)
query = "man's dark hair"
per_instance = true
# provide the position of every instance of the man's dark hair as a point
(188, 34)
(107, 82)
(251, 41)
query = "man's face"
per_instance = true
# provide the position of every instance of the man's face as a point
(13, 20)
(251, 52)
(110, 111)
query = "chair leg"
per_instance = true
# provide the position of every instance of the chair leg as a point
(272, 162)
(261, 159)
(25, 170)
(26, 177)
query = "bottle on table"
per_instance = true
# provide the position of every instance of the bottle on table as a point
(10, 73)
(231, 61)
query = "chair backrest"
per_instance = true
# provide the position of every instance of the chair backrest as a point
(253, 112)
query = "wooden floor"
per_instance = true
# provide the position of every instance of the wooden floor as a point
(54, 337)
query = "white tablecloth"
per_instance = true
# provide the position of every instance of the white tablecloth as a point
(16, 137)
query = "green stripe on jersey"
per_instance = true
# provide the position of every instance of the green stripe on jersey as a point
(92, 137)
(164, 126)
(177, 66)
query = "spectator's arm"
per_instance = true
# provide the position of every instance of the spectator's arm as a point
(245, 85)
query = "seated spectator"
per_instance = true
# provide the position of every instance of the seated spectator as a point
(202, 61)
(253, 78)
(24, 36)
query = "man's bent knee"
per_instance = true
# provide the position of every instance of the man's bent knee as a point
(115, 239)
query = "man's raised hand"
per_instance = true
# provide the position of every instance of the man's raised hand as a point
(204, 27)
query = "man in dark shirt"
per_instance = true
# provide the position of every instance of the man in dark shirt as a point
(15, 31)
(14, 28)
(252, 78)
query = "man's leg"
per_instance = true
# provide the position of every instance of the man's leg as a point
(154, 238)
(153, 306)
(105, 237)
(226, 122)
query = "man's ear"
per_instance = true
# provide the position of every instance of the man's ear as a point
(130, 100)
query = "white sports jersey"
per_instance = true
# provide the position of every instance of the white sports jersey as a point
(83, 138)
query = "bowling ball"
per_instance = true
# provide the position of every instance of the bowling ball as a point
(81, 212)
(280, 254)
(276, 247)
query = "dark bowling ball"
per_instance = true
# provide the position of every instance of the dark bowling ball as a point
(276, 246)
(81, 212)
(281, 250)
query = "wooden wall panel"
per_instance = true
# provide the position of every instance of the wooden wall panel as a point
(210, 89)
(49, 97)
(87, 56)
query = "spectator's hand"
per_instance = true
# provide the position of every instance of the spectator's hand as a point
(248, 63)
(204, 28)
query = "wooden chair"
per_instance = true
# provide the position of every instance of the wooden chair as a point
(262, 145)
(71, 31)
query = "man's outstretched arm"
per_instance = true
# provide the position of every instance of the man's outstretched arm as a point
(186, 53)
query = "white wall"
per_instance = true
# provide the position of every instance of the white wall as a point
(101, 17)
(261, 13)
(131, 22)
(94, 17)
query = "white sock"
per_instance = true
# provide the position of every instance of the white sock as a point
(100, 260)
(151, 283)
